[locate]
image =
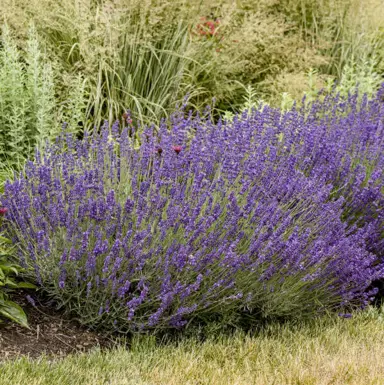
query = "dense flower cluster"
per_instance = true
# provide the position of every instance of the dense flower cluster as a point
(269, 215)
(341, 142)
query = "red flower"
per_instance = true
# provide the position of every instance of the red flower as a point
(177, 149)
(3, 211)
(207, 27)
(211, 26)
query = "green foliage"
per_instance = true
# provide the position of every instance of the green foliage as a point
(114, 56)
(39, 84)
(27, 98)
(255, 47)
(13, 123)
(354, 76)
(146, 55)
(250, 101)
(8, 282)
(361, 74)
(338, 29)
(73, 110)
(6, 173)
(145, 77)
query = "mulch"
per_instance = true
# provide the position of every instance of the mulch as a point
(50, 334)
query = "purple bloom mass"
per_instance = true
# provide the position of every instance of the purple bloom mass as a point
(275, 214)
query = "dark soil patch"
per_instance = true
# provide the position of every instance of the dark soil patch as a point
(50, 333)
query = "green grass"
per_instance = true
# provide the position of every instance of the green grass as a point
(326, 351)
(143, 77)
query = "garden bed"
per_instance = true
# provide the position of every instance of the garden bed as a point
(50, 333)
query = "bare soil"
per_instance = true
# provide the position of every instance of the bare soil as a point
(50, 333)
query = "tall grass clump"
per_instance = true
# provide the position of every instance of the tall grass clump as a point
(143, 76)
(271, 215)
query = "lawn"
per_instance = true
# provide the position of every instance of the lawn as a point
(328, 351)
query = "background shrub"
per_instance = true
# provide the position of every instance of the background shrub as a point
(30, 110)
(146, 55)
(26, 97)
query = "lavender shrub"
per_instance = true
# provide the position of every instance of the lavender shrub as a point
(271, 215)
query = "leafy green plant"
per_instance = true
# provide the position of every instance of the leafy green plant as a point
(27, 99)
(361, 74)
(73, 110)
(250, 101)
(8, 282)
